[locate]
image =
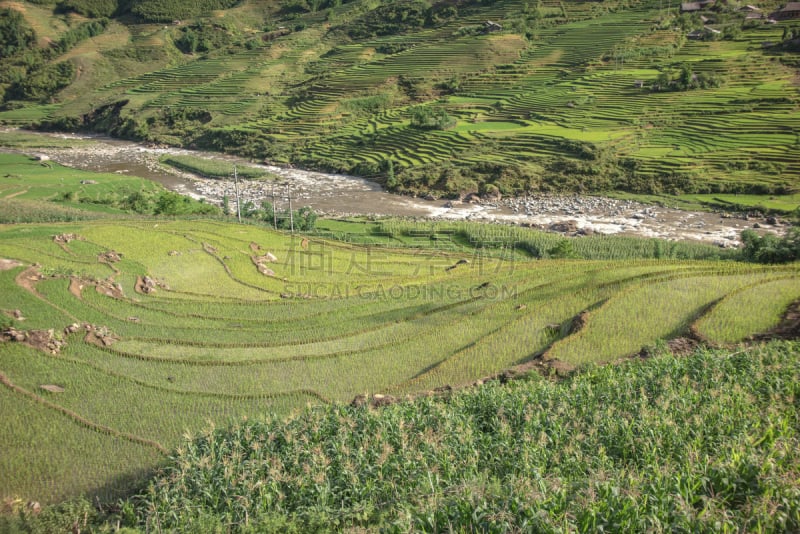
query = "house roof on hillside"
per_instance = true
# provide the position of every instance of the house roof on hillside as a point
(748, 7)
(790, 11)
(691, 6)
(700, 34)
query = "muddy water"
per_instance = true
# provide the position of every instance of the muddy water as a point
(334, 194)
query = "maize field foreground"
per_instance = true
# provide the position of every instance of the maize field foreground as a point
(123, 337)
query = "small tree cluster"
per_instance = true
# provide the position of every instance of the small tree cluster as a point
(685, 79)
(165, 203)
(303, 219)
(770, 248)
(430, 118)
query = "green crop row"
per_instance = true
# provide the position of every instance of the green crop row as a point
(216, 342)
(613, 448)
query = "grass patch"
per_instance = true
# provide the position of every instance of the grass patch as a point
(218, 340)
(215, 168)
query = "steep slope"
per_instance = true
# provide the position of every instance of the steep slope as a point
(456, 98)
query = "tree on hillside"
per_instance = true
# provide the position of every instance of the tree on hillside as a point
(430, 118)
(391, 179)
(770, 248)
(15, 34)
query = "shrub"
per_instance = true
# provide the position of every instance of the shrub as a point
(15, 33)
(202, 38)
(75, 35)
(169, 10)
(430, 118)
(45, 82)
(389, 19)
(770, 248)
(92, 8)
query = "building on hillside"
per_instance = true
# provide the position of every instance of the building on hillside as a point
(691, 7)
(750, 9)
(491, 26)
(754, 16)
(702, 34)
(790, 11)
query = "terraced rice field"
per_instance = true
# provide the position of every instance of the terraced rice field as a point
(582, 73)
(191, 322)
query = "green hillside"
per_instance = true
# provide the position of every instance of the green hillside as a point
(164, 368)
(580, 95)
(135, 331)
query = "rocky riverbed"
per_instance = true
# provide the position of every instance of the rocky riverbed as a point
(339, 195)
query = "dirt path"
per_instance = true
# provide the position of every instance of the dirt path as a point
(76, 288)
(7, 265)
(27, 279)
(18, 193)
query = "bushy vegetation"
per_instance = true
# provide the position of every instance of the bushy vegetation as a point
(166, 203)
(92, 8)
(40, 83)
(367, 105)
(27, 72)
(170, 10)
(430, 118)
(77, 34)
(770, 248)
(202, 37)
(684, 79)
(312, 6)
(390, 18)
(302, 220)
(16, 35)
(52, 193)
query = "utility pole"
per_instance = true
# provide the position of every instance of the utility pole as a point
(291, 215)
(238, 199)
(274, 208)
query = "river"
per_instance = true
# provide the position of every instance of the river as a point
(341, 195)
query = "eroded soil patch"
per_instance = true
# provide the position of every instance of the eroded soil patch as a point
(7, 265)
(788, 328)
(44, 340)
